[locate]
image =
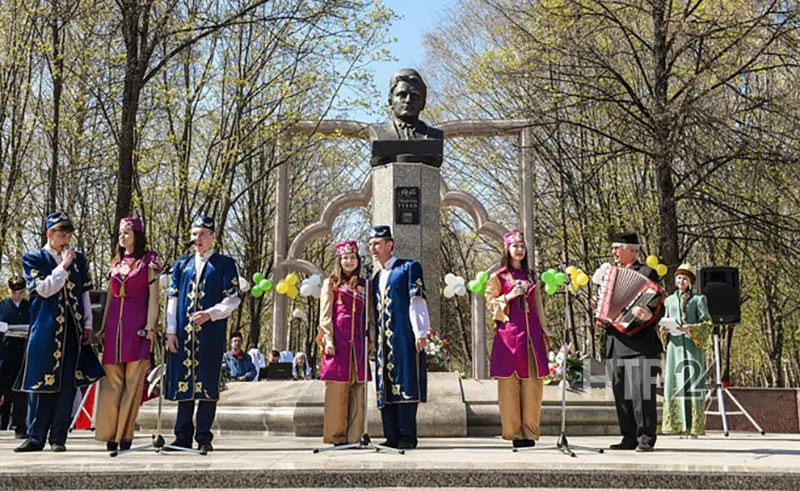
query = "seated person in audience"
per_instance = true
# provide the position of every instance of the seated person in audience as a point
(274, 356)
(300, 368)
(259, 361)
(238, 362)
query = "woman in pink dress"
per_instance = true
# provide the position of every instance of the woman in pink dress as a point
(342, 325)
(519, 352)
(128, 328)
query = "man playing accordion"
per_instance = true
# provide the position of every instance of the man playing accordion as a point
(633, 354)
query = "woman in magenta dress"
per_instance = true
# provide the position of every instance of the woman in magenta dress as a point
(342, 326)
(128, 328)
(519, 352)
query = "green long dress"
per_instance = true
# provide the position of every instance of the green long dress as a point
(684, 383)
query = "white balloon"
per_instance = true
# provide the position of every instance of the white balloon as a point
(448, 291)
(298, 314)
(244, 285)
(306, 289)
(459, 280)
(460, 290)
(449, 278)
(315, 280)
(316, 291)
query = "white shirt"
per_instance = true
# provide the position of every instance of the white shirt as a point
(417, 309)
(53, 284)
(220, 311)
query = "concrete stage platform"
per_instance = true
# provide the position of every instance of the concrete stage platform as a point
(259, 461)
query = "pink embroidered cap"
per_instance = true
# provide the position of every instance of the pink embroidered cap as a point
(133, 223)
(511, 237)
(346, 247)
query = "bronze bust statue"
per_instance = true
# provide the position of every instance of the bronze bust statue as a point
(407, 94)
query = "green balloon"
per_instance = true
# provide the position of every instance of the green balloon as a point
(258, 278)
(483, 277)
(267, 285)
(561, 278)
(548, 277)
(473, 286)
(483, 289)
(263, 284)
(551, 288)
(256, 292)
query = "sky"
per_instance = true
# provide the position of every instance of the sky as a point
(417, 18)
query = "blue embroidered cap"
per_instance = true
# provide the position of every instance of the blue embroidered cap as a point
(380, 232)
(203, 222)
(58, 218)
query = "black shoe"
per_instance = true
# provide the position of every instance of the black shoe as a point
(28, 446)
(205, 448)
(389, 443)
(623, 445)
(644, 447)
(523, 443)
(406, 445)
(20, 435)
(124, 445)
(57, 447)
(111, 446)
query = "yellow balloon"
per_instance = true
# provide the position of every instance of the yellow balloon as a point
(661, 269)
(572, 270)
(291, 279)
(292, 292)
(582, 279)
(652, 261)
(282, 287)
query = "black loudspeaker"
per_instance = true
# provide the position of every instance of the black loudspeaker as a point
(720, 285)
(98, 301)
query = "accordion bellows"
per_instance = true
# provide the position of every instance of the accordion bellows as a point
(620, 290)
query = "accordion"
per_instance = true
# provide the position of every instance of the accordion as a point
(620, 290)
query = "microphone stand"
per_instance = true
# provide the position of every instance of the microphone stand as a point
(365, 443)
(158, 442)
(561, 443)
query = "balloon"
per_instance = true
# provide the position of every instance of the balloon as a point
(561, 278)
(449, 278)
(652, 261)
(460, 280)
(257, 277)
(572, 270)
(483, 277)
(305, 290)
(316, 292)
(460, 290)
(448, 291)
(473, 285)
(298, 314)
(282, 287)
(292, 292)
(548, 277)
(291, 279)
(550, 288)
(662, 269)
(268, 286)
(582, 279)
(263, 285)
(256, 292)
(315, 280)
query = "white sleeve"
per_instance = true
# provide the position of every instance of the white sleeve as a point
(87, 311)
(172, 317)
(418, 312)
(53, 283)
(224, 309)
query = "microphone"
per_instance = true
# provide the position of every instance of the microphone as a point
(519, 298)
(142, 333)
